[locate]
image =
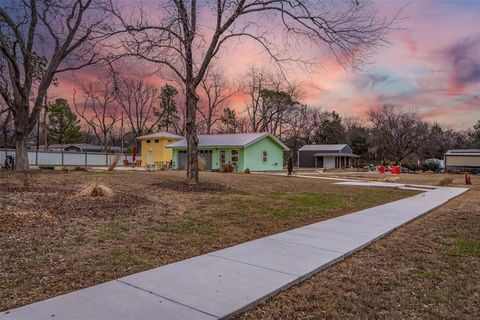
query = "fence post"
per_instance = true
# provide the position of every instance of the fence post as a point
(106, 159)
(62, 157)
(36, 157)
(86, 157)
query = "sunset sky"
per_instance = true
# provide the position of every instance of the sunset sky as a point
(431, 65)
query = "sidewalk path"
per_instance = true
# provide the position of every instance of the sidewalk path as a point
(226, 282)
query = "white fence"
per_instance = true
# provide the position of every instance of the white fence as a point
(58, 158)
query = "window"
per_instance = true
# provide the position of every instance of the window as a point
(264, 156)
(156, 140)
(170, 141)
(148, 141)
(234, 157)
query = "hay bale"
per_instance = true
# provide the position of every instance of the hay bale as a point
(95, 190)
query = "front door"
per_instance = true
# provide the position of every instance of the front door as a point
(222, 157)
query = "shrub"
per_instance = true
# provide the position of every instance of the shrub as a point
(445, 181)
(227, 167)
(247, 170)
(411, 166)
(431, 166)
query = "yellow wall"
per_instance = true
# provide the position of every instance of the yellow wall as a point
(159, 151)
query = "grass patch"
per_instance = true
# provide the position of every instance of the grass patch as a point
(428, 275)
(123, 258)
(113, 230)
(465, 246)
(206, 228)
(286, 206)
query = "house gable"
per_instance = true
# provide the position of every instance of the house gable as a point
(254, 155)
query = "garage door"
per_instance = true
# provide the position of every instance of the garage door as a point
(206, 154)
(182, 159)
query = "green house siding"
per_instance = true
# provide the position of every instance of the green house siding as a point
(250, 157)
(216, 156)
(253, 159)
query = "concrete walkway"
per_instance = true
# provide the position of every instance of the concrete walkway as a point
(226, 282)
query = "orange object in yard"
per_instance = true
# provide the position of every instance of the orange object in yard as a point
(381, 169)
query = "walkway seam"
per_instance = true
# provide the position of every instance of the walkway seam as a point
(160, 296)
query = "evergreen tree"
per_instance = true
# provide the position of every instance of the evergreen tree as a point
(63, 127)
(168, 108)
(229, 120)
(331, 130)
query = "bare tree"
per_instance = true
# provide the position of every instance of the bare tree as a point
(188, 35)
(99, 109)
(38, 40)
(398, 133)
(6, 124)
(140, 102)
(217, 92)
(301, 125)
(271, 99)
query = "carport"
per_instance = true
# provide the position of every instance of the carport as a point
(326, 156)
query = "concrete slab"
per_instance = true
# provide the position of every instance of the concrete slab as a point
(351, 228)
(322, 239)
(214, 285)
(372, 184)
(278, 256)
(110, 301)
(414, 189)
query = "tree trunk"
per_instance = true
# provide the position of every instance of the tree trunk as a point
(191, 134)
(21, 152)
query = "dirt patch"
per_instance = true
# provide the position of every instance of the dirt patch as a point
(184, 187)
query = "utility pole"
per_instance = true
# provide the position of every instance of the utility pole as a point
(121, 135)
(45, 129)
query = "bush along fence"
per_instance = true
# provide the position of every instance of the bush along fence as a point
(60, 158)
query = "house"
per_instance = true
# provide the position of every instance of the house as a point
(153, 147)
(326, 156)
(462, 160)
(253, 151)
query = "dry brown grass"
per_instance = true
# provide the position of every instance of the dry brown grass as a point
(445, 181)
(95, 190)
(53, 242)
(428, 269)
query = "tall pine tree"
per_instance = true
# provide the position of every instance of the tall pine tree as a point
(63, 127)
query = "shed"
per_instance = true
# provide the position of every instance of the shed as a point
(258, 151)
(462, 160)
(326, 156)
(153, 147)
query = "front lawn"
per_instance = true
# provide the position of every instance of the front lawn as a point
(428, 269)
(53, 242)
